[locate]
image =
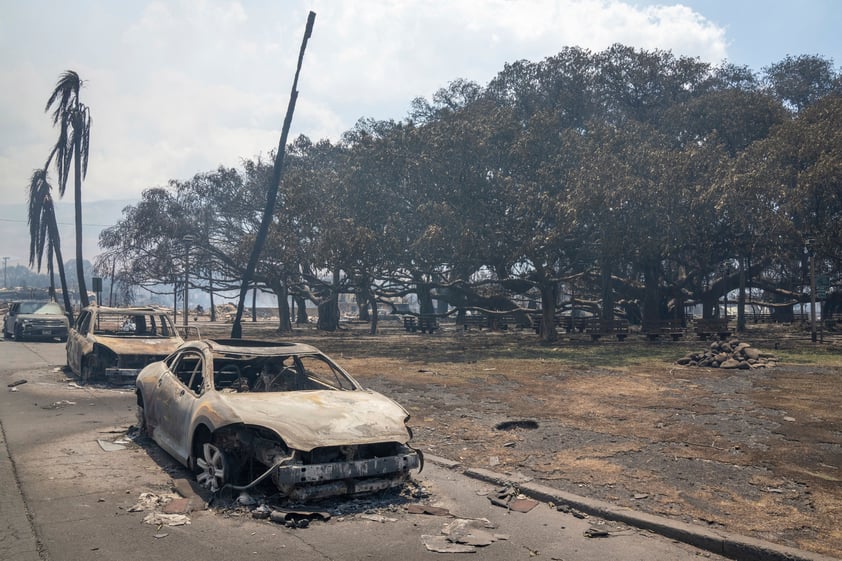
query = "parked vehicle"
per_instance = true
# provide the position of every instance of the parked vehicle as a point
(35, 319)
(239, 412)
(114, 344)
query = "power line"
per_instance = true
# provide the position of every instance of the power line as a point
(59, 223)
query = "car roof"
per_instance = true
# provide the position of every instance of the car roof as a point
(127, 310)
(254, 347)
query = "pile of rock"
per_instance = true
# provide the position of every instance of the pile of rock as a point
(729, 354)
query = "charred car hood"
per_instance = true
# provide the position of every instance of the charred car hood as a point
(312, 419)
(42, 317)
(135, 346)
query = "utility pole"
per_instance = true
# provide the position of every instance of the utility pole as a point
(5, 260)
(188, 239)
(811, 253)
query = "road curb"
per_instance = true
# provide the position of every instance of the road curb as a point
(727, 544)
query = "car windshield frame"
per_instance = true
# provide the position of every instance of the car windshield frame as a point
(30, 307)
(49, 308)
(303, 371)
(144, 325)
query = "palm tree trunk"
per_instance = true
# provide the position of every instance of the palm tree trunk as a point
(80, 268)
(56, 242)
(272, 193)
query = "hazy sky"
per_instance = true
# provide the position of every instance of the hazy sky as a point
(179, 87)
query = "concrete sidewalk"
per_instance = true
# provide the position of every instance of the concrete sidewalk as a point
(726, 544)
(17, 537)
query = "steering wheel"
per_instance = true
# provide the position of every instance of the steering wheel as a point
(233, 372)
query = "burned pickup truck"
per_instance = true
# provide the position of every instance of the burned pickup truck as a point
(241, 413)
(114, 344)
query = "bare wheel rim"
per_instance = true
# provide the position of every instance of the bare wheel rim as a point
(214, 467)
(141, 421)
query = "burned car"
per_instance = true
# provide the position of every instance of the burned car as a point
(114, 344)
(35, 319)
(241, 412)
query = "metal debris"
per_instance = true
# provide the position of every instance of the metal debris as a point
(17, 383)
(522, 504)
(109, 446)
(508, 497)
(463, 535)
(596, 533)
(440, 544)
(427, 509)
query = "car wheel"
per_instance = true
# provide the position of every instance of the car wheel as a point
(19, 333)
(141, 422)
(214, 468)
(90, 369)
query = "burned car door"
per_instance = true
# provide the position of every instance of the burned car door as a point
(179, 387)
(75, 339)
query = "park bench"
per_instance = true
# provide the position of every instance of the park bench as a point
(597, 327)
(538, 320)
(704, 328)
(423, 323)
(572, 324)
(672, 328)
(493, 322)
(474, 320)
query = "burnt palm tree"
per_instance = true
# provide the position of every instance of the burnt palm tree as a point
(74, 121)
(43, 234)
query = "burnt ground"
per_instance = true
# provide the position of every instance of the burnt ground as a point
(756, 452)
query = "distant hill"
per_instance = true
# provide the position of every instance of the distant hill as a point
(96, 216)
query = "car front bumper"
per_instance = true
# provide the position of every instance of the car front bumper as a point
(316, 481)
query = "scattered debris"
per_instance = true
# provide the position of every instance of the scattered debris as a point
(729, 354)
(469, 532)
(151, 501)
(164, 510)
(570, 510)
(440, 544)
(161, 519)
(109, 446)
(596, 533)
(58, 404)
(17, 383)
(262, 512)
(427, 509)
(463, 535)
(244, 499)
(178, 506)
(294, 518)
(523, 424)
(377, 518)
(509, 498)
(522, 504)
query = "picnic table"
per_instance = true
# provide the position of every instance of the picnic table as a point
(597, 327)
(704, 328)
(672, 328)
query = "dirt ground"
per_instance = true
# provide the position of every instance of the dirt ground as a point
(756, 452)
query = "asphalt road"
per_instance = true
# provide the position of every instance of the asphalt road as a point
(65, 497)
